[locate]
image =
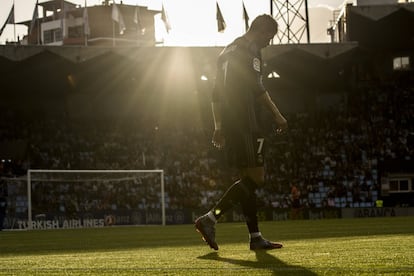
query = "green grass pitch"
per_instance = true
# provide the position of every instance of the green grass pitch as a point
(374, 246)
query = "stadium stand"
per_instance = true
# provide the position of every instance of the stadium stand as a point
(332, 154)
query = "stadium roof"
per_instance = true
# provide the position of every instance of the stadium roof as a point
(311, 64)
(81, 54)
(377, 12)
(42, 74)
(379, 27)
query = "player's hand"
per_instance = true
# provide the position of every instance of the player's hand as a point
(282, 124)
(218, 139)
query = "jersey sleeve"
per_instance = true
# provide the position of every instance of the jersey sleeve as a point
(218, 86)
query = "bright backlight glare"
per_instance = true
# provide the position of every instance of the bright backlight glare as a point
(204, 78)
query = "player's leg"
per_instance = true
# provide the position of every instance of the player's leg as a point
(249, 202)
(249, 207)
(255, 148)
(235, 157)
(206, 223)
(245, 153)
(241, 192)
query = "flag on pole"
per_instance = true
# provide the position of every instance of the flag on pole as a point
(164, 18)
(34, 17)
(117, 17)
(86, 28)
(245, 17)
(221, 24)
(9, 20)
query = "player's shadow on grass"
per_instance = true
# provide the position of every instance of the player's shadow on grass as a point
(264, 261)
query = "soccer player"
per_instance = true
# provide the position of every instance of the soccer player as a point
(237, 93)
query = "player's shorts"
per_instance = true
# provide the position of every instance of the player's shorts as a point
(245, 150)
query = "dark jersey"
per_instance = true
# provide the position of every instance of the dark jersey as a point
(237, 86)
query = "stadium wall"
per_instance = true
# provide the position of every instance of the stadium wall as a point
(153, 217)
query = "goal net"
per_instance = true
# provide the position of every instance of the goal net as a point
(94, 198)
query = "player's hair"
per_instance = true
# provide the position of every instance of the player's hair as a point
(264, 21)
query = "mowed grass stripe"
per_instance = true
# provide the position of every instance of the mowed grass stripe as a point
(325, 247)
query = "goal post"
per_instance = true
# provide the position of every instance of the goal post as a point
(123, 191)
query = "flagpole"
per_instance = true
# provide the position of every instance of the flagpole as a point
(85, 31)
(14, 21)
(14, 27)
(38, 31)
(113, 24)
(62, 19)
(84, 28)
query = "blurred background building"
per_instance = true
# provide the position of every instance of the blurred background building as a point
(64, 23)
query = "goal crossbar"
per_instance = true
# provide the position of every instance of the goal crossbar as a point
(31, 171)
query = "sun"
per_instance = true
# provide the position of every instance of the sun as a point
(196, 24)
(190, 26)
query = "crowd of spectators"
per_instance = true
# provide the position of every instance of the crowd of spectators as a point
(331, 155)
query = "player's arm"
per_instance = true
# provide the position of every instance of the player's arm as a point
(215, 108)
(218, 138)
(267, 101)
(264, 98)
